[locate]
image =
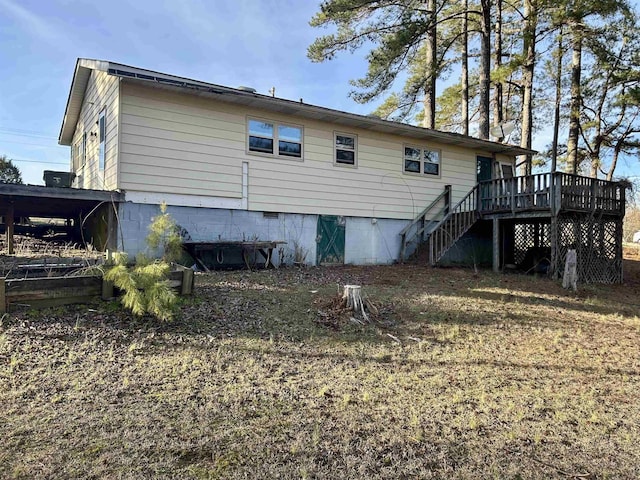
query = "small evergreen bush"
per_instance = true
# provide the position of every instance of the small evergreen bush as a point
(146, 284)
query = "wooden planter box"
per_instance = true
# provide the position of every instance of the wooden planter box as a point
(53, 291)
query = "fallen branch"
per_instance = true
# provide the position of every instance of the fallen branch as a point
(394, 338)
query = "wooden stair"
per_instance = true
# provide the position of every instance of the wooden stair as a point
(442, 228)
(453, 226)
(425, 222)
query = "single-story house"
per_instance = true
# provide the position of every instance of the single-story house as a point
(235, 165)
(334, 187)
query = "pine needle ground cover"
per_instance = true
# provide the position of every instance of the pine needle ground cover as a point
(463, 376)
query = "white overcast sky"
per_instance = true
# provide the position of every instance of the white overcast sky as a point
(258, 43)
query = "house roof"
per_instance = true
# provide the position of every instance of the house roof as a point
(253, 99)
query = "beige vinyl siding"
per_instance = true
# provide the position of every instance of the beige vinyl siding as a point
(185, 144)
(186, 149)
(102, 92)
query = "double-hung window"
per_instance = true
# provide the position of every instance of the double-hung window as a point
(277, 139)
(421, 160)
(102, 134)
(345, 149)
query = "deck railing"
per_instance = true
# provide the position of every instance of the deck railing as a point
(427, 219)
(551, 191)
(546, 193)
(456, 223)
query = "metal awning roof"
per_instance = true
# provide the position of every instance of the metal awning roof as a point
(236, 96)
(52, 202)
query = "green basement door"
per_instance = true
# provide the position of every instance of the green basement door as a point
(330, 239)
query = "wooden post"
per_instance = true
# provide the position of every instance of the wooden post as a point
(112, 229)
(107, 290)
(9, 221)
(3, 296)
(496, 245)
(570, 277)
(187, 282)
(555, 248)
(447, 199)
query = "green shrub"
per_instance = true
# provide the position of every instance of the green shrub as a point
(164, 234)
(146, 284)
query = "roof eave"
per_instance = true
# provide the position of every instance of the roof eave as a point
(233, 95)
(79, 83)
(330, 115)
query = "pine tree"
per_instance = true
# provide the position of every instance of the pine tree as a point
(610, 116)
(576, 14)
(404, 35)
(9, 173)
(146, 284)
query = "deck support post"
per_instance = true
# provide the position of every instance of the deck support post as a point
(9, 221)
(447, 199)
(496, 245)
(554, 238)
(3, 297)
(112, 231)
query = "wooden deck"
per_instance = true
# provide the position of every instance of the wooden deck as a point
(550, 212)
(549, 194)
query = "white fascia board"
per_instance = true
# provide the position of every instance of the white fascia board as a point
(179, 200)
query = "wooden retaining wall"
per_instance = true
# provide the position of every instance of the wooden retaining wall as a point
(53, 291)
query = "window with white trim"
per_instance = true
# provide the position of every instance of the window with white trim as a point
(420, 160)
(75, 156)
(277, 139)
(346, 147)
(102, 134)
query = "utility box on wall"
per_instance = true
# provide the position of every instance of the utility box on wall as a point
(58, 179)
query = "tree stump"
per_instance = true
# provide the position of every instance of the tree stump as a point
(352, 298)
(570, 277)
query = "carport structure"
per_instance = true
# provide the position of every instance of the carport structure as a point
(92, 209)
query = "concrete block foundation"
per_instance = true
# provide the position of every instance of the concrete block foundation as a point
(367, 240)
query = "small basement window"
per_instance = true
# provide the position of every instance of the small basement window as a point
(345, 149)
(420, 160)
(265, 135)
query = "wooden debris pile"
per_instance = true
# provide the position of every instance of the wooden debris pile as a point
(349, 307)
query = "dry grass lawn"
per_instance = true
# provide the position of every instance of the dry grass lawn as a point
(494, 376)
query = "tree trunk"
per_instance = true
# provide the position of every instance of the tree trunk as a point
(529, 53)
(465, 69)
(574, 114)
(429, 120)
(497, 61)
(558, 103)
(485, 69)
(614, 160)
(352, 298)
